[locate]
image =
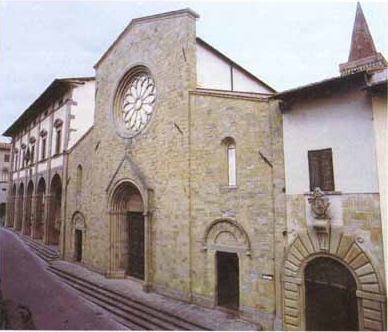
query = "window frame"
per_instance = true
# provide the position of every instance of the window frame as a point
(321, 169)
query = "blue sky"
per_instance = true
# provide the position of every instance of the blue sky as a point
(286, 44)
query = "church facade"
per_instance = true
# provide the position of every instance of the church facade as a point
(202, 183)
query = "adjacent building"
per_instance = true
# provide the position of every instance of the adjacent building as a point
(5, 163)
(334, 150)
(56, 120)
(202, 183)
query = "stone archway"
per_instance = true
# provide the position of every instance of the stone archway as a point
(53, 220)
(226, 234)
(370, 293)
(12, 208)
(19, 208)
(330, 296)
(40, 208)
(27, 220)
(227, 247)
(129, 240)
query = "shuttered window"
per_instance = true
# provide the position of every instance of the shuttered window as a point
(321, 169)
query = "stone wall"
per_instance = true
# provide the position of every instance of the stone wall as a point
(157, 159)
(354, 239)
(252, 204)
(178, 164)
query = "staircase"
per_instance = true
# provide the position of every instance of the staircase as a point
(133, 314)
(47, 253)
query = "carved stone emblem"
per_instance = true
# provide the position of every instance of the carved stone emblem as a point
(319, 204)
(321, 225)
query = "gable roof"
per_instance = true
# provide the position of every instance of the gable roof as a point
(233, 63)
(55, 89)
(186, 11)
(327, 83)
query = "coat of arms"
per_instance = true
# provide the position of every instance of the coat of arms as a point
(319, 204)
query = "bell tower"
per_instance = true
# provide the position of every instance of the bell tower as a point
(363, 55)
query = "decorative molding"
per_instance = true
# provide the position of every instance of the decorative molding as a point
(58, 123)
(226, 234)
(134, 102)
(43, 133)
(345, 250)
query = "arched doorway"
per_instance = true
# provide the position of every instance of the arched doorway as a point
(79, 236)
(227, 247)
(19, 208)
(54, 220)
(40, 209)
(356, 269)
(127, 211)
(28, 218)
(12, 207)
(330, 296)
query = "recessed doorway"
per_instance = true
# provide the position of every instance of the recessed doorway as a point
(228, 285)
(78, 245)
(136, 245)
(330, 296)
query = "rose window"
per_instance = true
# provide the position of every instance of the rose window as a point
(134, 102)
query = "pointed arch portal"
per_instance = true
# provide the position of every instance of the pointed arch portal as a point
(128, 224)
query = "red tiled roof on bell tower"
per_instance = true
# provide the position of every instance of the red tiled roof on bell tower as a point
(362, 44)
(363, 55)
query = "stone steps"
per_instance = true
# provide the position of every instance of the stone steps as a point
(46, 253)
(129, 312)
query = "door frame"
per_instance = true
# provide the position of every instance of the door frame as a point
(234, 311)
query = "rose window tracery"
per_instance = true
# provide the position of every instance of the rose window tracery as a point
(135, 102)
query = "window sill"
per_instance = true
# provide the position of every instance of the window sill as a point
(328, 193)
(228, 188)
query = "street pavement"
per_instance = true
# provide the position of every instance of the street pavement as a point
(53, 305)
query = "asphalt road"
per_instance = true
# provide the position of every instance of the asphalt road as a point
(54, 305)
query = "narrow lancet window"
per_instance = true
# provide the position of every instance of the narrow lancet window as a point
(232, 178)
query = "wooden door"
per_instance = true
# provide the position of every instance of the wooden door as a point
(330, 297)
(78, 245)
(136, 245)
(228, 286)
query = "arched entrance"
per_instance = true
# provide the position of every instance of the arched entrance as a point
(12, 207)
(19, 208)
(330, 296)
(40, 210)
(54, 220)
(128, 220)
(308, 269)
(28, 217)
(226, 244)
(79, 236)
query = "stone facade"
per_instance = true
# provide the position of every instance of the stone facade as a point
(178, 165)
(5, 169)
(40, 138)
(217, 171)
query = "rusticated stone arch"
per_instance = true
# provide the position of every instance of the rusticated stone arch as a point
(226, 234)
(370, 292)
